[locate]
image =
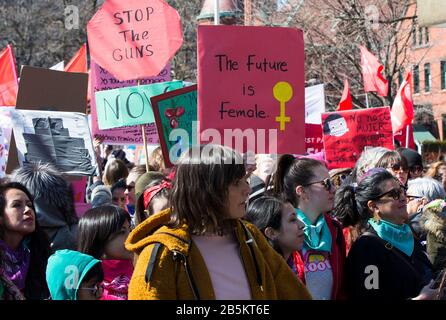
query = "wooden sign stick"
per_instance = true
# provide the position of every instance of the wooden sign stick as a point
(144, 139)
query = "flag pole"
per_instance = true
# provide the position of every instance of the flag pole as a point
(407, 136)
(216, 12)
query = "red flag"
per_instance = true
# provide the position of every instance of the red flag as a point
(79, 62)
(402, 108)
(372, 73)
(9, 85)
(346, 99)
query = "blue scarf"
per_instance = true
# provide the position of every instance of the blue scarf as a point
(318, 236)
(399, 236)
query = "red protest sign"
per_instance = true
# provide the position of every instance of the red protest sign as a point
(313, 138)
(252, 90)
(347, 133)
(134, 39)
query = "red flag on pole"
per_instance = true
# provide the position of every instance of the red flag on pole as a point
(79, 62)
(402, 109)
(372, 73)
(9, 85)
(346, 99)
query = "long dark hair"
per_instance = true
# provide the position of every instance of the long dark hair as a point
(292, 172)
(351, 202)
(39, 247)
(96, 226)
(200, 187)
(266, 212)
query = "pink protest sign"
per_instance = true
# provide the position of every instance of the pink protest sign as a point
(101, 79)
(79, 189)
(348, 133)
(313, 138)
(252, 90)
(134, 39)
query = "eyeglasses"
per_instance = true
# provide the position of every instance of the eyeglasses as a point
(327, 183)
(97, 290)
(397, 167)
(395, 193)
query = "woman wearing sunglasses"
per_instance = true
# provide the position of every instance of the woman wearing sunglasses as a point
(385, 261)
(306, 184)
(396, 164)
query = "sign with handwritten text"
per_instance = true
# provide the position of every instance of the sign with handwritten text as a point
(253, 86)
(176, 110)
(129, 106)
(101, 79)
(347, 133)
(134, 39)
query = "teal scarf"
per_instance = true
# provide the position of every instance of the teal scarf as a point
(401, 237)
(318, 236)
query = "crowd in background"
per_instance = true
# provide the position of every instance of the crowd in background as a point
(213, 227)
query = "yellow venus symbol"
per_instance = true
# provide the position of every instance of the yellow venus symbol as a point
(283, 92)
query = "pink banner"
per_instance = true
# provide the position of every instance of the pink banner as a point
(252, 89)
(101, 79)
(314, 142)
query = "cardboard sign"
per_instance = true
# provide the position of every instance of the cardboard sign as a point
(254, 86)
(129, 106)
(314, 141)
(60, 138)
(176, 110)
(134, 39)
(5, 137)
(101, 79)
(45, 89)
(347, 133)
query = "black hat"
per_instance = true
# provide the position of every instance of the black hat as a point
(413, 158)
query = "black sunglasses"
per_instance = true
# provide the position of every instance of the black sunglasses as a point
(327, 183)
(397, 167)
(395, 193)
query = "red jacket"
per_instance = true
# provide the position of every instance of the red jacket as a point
(336, 257)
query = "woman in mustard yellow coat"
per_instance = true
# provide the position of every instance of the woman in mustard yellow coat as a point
(200, 248)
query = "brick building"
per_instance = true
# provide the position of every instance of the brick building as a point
(427, 60)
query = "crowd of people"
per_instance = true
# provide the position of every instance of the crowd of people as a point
(214, 227)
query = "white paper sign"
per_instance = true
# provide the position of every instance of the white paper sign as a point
(60, 138)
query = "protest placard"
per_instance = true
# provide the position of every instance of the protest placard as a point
(52, 90)
(252, 90)
(101, 79)
(134, 39)
(129, 106)
(347, 133)
(176, 110)
(60, 138)
(314, 141)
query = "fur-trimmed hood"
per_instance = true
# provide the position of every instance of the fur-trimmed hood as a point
(53, 196)
(434, 219)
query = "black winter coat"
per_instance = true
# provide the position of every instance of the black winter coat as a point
(376, 271)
